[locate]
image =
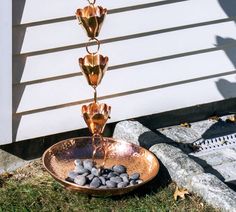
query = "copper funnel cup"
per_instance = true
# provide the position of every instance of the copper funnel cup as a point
(91, 18)
(96, 116)
(93, 67)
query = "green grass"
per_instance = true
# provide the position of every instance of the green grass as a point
(32, 189)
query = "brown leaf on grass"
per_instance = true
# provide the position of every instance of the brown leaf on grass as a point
(231, 119)
(214, 118)
(4, 177)
(180, 192)
(187, 125)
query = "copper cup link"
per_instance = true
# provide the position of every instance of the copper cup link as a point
(95, 116)
(91, 18)
(89, 44)
(93, 68)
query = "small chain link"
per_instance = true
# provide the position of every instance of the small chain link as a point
(92, 2)
(98, 45)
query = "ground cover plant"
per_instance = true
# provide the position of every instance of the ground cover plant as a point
(32, 189)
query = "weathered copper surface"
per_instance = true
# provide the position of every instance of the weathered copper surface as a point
(96, 116)
(59, 160)
(91, 18)
(93, 67)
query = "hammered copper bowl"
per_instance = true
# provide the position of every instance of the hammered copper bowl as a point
(59, 160)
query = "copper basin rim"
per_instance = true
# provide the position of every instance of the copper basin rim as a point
(59, 160)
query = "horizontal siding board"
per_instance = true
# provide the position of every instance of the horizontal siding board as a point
(166, 44)
(128, 51)
(155, 101)
(34, 12)
(67, 33)
(76, 89)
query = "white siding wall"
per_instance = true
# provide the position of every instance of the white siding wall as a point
(5, 72)
(164, 55)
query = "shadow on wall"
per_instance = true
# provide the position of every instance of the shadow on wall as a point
(229, 7)
(18, 35)
(19, 60)
(227, 88)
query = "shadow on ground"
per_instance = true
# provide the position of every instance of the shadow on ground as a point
(220, 128)
(160, 181)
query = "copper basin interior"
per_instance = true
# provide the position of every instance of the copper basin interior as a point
(59, 160)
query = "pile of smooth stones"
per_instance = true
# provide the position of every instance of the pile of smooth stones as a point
(87, 174)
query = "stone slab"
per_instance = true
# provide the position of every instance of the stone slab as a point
(178, 164)
(136, 133)
(181, 168)
(180, 134)
(214, 192)
(227, 171)
(185, 171)
(199, 130)
(201, 127)
(129, 131)
(211, 128)
(217, 157)
(9, 162)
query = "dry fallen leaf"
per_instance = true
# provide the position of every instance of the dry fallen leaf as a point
(195, 148)
(214, 118)
(180, 192)
(4, 177)
(223, 142)
(187, 125)
(231, 119)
